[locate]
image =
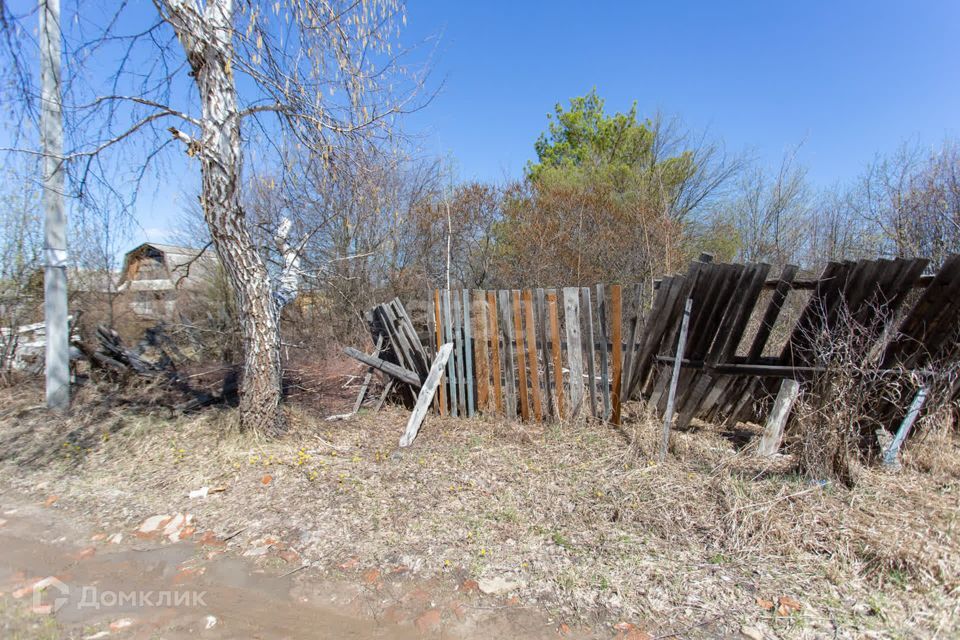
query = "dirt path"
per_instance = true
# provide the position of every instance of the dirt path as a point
(143, 588)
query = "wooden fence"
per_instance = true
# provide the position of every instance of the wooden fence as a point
(515, 354)
(540, 354)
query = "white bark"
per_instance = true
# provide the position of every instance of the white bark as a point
(207, 41)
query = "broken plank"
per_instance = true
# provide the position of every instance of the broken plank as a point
(425, 396)
(777, 420)
(366, 378)
(394, 370)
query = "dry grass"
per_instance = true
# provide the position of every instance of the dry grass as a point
(579, 512)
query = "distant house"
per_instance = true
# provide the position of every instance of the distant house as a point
(154, 275)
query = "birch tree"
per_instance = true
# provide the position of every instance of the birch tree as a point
(232, 83)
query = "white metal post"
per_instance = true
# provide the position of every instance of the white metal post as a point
(55, 216)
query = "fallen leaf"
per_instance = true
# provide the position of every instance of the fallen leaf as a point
(787, 606)
(766, 605)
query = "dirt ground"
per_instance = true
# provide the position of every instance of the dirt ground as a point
(522, 530)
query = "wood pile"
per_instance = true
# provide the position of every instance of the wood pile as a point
(399, 354)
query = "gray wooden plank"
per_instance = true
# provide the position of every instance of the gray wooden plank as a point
(458, 352)
(777, 420)
(604, 351)
(425, 397)
(589, 352)
(451, 365)
(571, 321)
(366, 378)
(668, 414)
(468, 352)
(541, 309)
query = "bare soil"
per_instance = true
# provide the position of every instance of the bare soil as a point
(592, 537)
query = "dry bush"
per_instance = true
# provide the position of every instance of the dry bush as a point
(847, 409)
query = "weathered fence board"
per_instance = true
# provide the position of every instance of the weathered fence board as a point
(571, 321)
(494, 333)
(532, 354)
(521, 356)
(555, 348)
(481, 353)
(509, 378)
(590, 349)
(616, 370)
(515, 354)
(468, 352)
(604, 350)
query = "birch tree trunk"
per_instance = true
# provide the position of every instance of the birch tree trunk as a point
(207, 40)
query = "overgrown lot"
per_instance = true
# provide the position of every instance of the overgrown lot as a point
(714, 541)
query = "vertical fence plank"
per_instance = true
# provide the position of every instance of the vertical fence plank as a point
(451, 365)
(541, 308)
(555, 348)
(616, 313)
(509, 377)
(432, 336)
(630, 360)
(590, 352)
(604, 349)
(480, 352)
(458, 352)
(468, 352)
(495, 367)
(521, 357)
(668, 414)
(777, 420)
(571, 320)
(532, 354)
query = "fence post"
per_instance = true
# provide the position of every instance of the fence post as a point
(668, 414)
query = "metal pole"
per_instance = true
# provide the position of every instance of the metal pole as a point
(671, 397)
(55, 216)
(890, 455)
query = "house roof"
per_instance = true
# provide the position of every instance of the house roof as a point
(182, 263)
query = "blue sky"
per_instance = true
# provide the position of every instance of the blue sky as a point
(845, 79)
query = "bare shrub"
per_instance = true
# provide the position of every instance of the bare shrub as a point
(849, 406)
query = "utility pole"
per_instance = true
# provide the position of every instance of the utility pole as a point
(55, 216)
